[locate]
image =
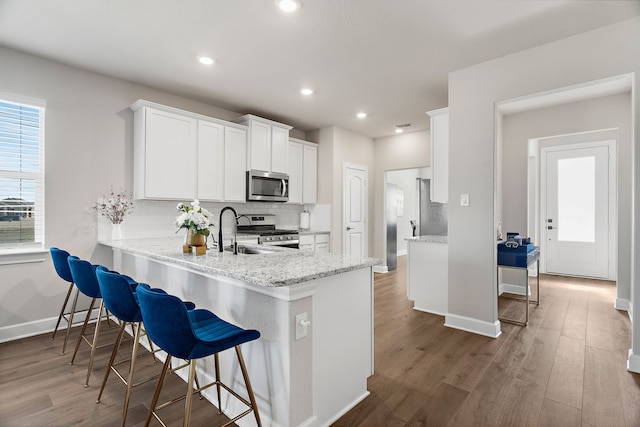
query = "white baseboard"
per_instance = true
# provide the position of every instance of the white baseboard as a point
(473, 325)
(38, 327)
(633, 363)
(380, 269)
(622, 304)
(510, 288)
(424, 310)
(401, 253)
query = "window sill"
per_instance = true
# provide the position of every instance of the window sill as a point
(22, 256)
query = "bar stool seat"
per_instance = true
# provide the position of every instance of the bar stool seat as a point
(84, 276)
(61, 265)
(192, 335)
(119, 295)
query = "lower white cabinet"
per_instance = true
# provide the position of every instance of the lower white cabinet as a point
(302, 167)
(427, 276)
(315, 242)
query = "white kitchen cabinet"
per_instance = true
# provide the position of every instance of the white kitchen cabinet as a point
(235, 161)
(211, 153)
(427, 274)
(165, 154)
(315, 242)
(302, 168)
(439, 155)
(182, 155)
(267, 148)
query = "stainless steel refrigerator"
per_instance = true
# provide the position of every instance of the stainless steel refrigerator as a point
(432, 216)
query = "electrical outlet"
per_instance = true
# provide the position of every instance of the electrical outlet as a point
(301, 325)
(464, 200)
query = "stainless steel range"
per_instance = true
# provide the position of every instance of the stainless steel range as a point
(264, 226)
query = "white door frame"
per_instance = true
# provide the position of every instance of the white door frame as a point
(613, 215)
(365, 240)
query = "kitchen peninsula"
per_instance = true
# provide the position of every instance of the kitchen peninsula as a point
(301, 374)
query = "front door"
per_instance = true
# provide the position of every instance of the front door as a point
(576, 216)
(355, 211)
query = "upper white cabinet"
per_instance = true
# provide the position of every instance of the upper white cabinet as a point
(268, 143)
(235, 160)
(302, 167)
(182, 155)
(439, 155)
(165, 154)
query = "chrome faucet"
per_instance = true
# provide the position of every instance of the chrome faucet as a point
(235, 233)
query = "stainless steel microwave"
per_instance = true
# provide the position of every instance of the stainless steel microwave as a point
(267, 186)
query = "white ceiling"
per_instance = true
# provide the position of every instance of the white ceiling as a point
(388, 58)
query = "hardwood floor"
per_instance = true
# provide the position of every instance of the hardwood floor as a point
(567, 368)
(39, 388)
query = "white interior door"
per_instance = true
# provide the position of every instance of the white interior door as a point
(576, 211)
(355, 210)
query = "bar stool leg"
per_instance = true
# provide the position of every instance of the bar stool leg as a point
(189, 396)
(217, 365)
(132, 366)
(111, 360)
(84, 328)
(247, 382)
(73, 311)
(156, 394)
(62, 313)
(95, 343)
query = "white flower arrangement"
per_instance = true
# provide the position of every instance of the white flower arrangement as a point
(194, 218)
(114, 206)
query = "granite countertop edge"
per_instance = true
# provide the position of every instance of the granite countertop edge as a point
(293, 266)
(428, 239)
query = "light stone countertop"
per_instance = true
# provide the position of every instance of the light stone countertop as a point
(310, 231)
(283, 267)
(428, 239)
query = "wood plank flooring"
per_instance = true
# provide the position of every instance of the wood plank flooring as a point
(567, 368)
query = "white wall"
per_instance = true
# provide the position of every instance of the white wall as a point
(337, 146)
(405, 179)
(405, 151)
(473, 92)
(89, 147)
(600, 113)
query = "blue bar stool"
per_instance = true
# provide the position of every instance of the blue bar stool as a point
(84, 276)
(192, 335)
(59, 258)
(119, 296)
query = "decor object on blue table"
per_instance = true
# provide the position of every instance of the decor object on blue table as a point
(192, 335)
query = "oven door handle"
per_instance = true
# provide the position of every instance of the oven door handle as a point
(284, 187)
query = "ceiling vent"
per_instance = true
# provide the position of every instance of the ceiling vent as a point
(404, 125)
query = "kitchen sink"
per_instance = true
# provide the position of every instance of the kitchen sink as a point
(250, 250)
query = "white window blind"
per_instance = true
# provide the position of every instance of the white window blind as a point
(21, 175)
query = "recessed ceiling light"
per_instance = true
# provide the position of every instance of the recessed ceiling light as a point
(206, 60)
(288, 5)
(361, 115)
(398, 130)
(306, 91)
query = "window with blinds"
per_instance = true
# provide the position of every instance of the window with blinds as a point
(21, 175)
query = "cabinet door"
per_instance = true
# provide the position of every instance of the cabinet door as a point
(170, 155)
(260, 146)
(309, 174)
(322, 247)
(295, 172)
(210, 161)
(279, 144)
(235, 166)
(440, 157)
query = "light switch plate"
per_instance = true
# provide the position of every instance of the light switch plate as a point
(464, 200)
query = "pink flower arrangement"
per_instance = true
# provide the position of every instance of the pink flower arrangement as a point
(114, 206)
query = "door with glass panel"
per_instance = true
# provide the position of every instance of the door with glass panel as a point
(576, 211)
